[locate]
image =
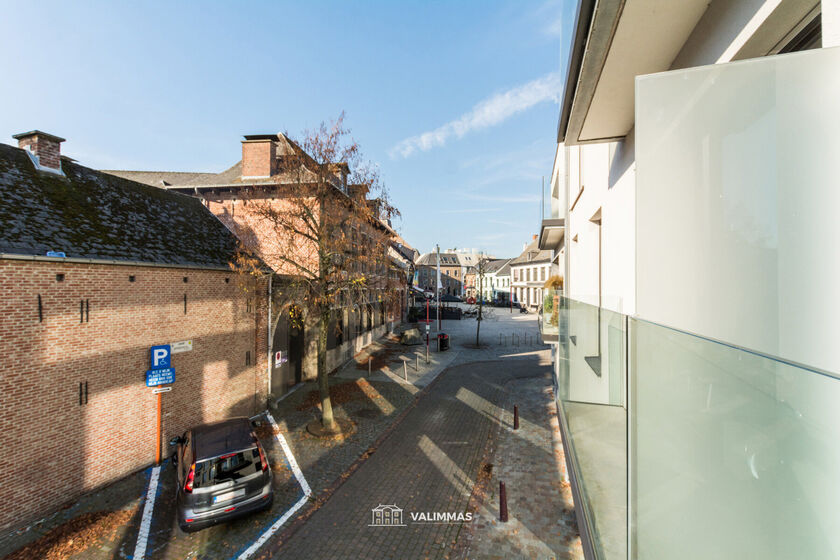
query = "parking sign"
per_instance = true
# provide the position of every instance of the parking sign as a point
(161, 356)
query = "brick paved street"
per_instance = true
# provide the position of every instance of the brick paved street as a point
(431, 461)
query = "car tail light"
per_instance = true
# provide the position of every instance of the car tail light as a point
(188, 485)
(262, 458)
(189, 520)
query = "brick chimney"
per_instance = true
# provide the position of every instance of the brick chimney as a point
(45, 149)
(259, 156)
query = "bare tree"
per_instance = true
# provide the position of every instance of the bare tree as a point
(326, 218)
(481, 271)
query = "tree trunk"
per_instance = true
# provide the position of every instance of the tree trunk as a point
(478, 326)
(327, 418)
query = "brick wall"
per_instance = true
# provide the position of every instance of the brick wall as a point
(56, 448)
(47, 150)
(260, 234)
(258, 158)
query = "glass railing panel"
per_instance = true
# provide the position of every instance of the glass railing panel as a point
(591, 376)
(736, 203)
(733, 454)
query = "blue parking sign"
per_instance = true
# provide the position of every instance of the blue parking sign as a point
(161, 356)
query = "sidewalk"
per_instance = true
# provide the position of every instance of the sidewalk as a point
(531, 462)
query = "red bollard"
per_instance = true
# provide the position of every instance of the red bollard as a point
(515, 417)
(503, 512)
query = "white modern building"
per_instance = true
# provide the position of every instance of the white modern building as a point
(694, 203)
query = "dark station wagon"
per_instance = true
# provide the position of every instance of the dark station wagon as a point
(223, 473)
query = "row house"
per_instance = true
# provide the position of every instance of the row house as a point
(451, 273)
(495, 284)
(529, 273)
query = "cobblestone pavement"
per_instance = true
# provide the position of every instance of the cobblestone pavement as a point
(429, 464)
(541, 516)
(104, 524)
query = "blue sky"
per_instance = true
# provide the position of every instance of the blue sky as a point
(456, 101)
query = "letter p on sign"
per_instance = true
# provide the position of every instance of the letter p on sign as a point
(160, 356)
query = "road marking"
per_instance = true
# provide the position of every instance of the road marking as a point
(307, 491)
(146, 523)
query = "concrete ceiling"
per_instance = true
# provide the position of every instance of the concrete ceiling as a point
(649, 36)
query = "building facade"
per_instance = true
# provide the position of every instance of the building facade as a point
(529, 273)
(451, 273)
(270, 164)
(96, 270)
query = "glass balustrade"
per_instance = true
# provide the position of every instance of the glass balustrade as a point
(685, 447)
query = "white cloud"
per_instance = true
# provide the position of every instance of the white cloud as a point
(489, 112)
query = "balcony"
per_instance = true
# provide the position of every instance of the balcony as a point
(552, 231)
(679, 446)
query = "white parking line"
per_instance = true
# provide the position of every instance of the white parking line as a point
(146, 523)
(307, 491)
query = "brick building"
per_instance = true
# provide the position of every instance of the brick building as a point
(451, 273)
(132, 266)
(272, 169)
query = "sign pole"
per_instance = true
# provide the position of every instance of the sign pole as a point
(157, 431)
(438, 286)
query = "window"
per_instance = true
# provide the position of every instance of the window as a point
(231, 467)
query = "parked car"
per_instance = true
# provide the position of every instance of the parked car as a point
(223, 473)
(449, 298)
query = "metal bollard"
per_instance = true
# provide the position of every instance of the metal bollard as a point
(370, 359)
(416, 362)
(427, 354)
(503, 511)
(405, 369)
(515, 417)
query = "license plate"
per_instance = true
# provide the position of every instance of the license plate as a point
(228, 496)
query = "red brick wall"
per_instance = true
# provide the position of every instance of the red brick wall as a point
(56, 449)
(258, 158)
(258, 233)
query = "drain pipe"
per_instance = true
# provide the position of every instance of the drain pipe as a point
(268, 331)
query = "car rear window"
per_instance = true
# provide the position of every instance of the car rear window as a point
(227, 467)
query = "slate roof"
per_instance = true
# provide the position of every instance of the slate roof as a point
(180, 178)
(94, 215)
(505, 270)
(495, 265)
(532, 254)
(446, 259)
